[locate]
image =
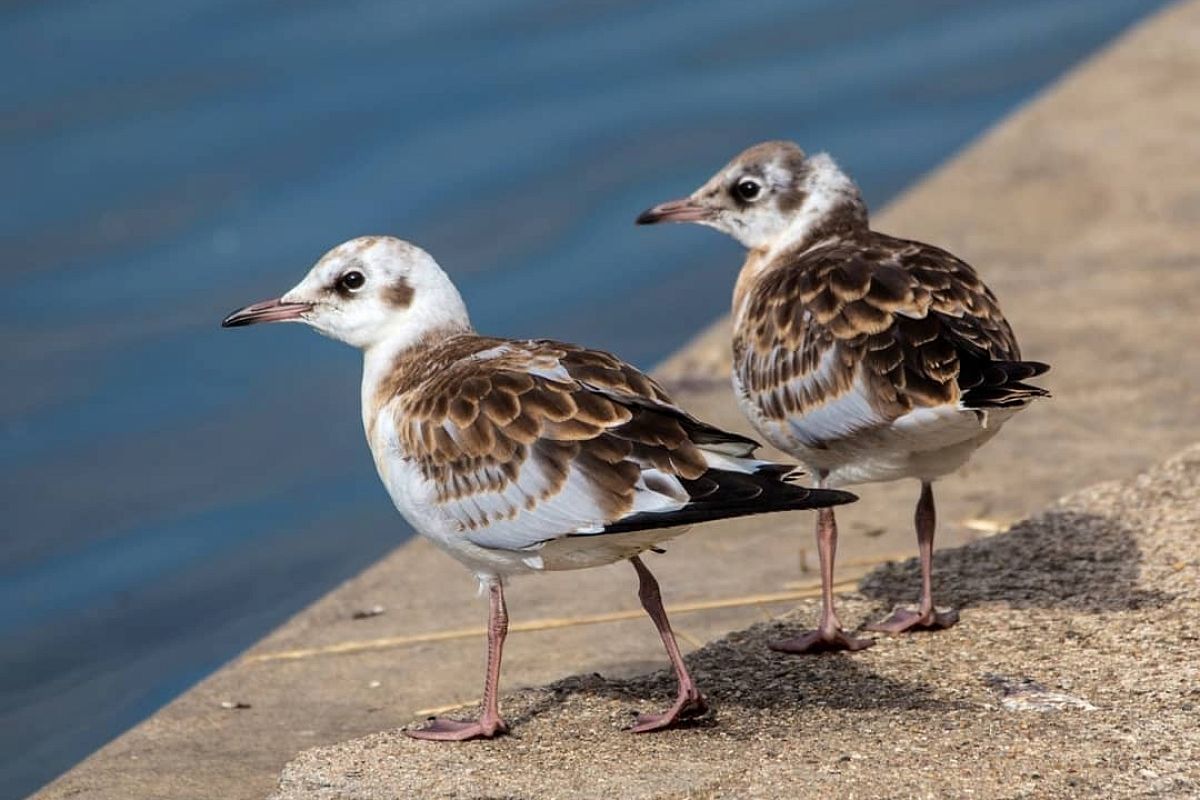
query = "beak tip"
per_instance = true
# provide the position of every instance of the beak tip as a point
(240, 318)
(266, 311)
(683, 210)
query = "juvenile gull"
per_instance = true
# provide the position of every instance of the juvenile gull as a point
(866, 357)
(518, 456)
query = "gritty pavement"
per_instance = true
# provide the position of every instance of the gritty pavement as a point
(1074, 673)
(1082, 210)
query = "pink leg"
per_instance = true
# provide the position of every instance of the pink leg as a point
(490, 724)
(926, 617)
(829, 634)
(688, 702)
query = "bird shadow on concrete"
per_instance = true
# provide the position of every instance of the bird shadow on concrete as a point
(1060, 559)
(740, 671)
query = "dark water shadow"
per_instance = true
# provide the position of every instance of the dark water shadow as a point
(1061, 559)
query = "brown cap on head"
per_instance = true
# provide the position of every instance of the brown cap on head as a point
(775, 163)
(757, 197)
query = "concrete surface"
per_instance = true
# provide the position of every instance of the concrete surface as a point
(1072, 674)
(1082, 210)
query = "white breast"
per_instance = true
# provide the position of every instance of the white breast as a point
(848, 440)
(415, 499)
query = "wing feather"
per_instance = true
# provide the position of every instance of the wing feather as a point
(523, 442)
(856, 334)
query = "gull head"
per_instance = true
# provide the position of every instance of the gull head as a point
(365, 292)
(768, 194)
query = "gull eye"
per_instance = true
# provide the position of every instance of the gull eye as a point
(747, 189)
(352, 281)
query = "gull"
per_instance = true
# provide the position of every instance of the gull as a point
(523, 456)
(864, 356)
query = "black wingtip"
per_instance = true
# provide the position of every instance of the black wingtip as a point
(833, 497)
(723, 494)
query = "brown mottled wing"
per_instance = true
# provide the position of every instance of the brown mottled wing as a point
(524, 442)
(864, 332)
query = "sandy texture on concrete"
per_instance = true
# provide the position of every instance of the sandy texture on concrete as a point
(1074, 673)
(1082, 210)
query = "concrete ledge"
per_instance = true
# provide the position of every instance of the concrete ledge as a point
(1072, 674)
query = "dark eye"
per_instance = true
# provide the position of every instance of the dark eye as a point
(351, 282)
(747, 189)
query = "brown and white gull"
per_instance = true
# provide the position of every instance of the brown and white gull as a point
(864, 356)
(523, 456)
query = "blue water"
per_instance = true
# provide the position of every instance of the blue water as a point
(171, 491)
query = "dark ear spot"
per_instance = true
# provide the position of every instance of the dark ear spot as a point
(399, 294)
(791, 199)
(795, 163)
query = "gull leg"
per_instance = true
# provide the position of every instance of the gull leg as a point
(926, 617)
(490, 724)
(829, 634)
(688, 702)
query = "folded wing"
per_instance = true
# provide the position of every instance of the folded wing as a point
(525, 442)
(855, 335)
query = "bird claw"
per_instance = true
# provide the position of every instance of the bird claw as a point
(452, 730)
(904, 620)
(688, 705)
(818, 641)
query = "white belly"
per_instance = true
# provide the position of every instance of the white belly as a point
(596, 550)
(925, 443)
(416, 499)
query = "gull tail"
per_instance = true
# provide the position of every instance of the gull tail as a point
(1000, 384)
(735, 487)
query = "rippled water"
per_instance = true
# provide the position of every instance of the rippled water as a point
(171, 491)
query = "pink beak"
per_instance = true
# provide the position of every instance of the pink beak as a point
(266, 311)
(682, 210)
